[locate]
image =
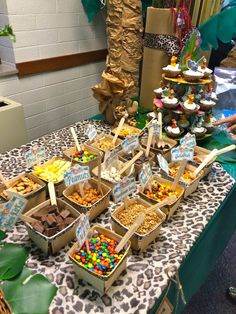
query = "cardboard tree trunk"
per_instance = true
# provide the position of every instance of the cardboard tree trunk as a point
(161, 22)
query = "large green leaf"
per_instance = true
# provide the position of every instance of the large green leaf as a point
(12, 260)
(32, 296)
(2, 235)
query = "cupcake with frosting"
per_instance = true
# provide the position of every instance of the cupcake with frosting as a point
(206, 103)
(170, 102)
(172, 70)
(208, 123)
(199, 130)
(204, 69)
(159, 91)
(173, 130)
(192, 74)
(189, 105)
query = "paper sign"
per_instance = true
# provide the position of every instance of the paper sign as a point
(82, 229)
(163, 163)
(10, 211)
(182, 153)
(126, 187)
(156, 127)
(109, 158)
(130, 143)
(34, 156)
(91, 132)
(188, 140)
(76, 174)
(145, 174)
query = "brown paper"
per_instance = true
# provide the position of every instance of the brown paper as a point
(153, 59)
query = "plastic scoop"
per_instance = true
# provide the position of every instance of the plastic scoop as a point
(149, 141)
(137, 223)
(75, 138)
(131, 162)
(182, 167)
(52, 193)
(121, 123)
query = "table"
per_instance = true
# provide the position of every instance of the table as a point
(139, 289)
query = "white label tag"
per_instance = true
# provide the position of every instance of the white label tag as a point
(82, 229)
(182, 153)
(91, 132)
(163, 163)
(34, 156)
(156, 127)
(188, 140)
(77, 174)
(145, 174)
(126, 187)
(130, 143)
(11, 210)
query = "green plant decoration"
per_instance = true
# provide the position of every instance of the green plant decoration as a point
(2, 235)
(8, 31)
(12, 260)
(29, 294)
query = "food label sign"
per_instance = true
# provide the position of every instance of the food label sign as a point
(130, 143)
(91, 132)
(126, 187)
(182, 153)
(82, 229)
(76, 174)
(10, 211)
(188, 140)
(156, 127)
(163, 163)
(145, 174)
(34, 156)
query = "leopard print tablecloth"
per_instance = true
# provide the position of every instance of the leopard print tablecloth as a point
(137, 290)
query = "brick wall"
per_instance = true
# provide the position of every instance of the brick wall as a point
(45, 29)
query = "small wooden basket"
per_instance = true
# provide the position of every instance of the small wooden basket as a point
(100, 282)
(69, 153)
(135, 131)
(106, 136)
(139, 242)
(189, 187)
(165, 153)
(51, 245)
(201, 153)
(34, 198)
(98, 207)
(169, 210)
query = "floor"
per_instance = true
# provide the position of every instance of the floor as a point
(212, 298)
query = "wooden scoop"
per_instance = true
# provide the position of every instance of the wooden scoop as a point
(146, 126)
(168, 201)
(121, 123)
(226, 149)
(99, 173)
(206, 160)
(75, 138)
(160, 142)
(149, 141)
(137, 223)
(131, 162)
(182, 167)
(52, 193)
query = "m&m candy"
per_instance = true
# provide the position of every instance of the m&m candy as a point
(101, 257)
(84, 156)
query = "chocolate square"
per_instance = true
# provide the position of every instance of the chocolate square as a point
(49, 232)
(69, 220)
(65, 213)
(51, 220)
(38, 226)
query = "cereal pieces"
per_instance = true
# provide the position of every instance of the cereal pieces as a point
(91, 196)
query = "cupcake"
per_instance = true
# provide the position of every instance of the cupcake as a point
(174, 130)
(172, 70)
(170, 102)
(199, 131)
(204, 69)
(189, 105)
(208, 123)
(192, 76)
(183, 122)
(159, 91)
(206, 103)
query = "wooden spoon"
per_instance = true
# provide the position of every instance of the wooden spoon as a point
(149, 141)
(131, 162)
(52, 193)
(160, 143)
(121, 123)
(182, 167)
(75, 138)
(206, 160)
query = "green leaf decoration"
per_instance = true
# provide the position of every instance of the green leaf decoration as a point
(8, 31)
(12, 260)
(29, 295)
(2, 235)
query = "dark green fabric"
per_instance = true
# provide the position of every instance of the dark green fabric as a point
(203, 256)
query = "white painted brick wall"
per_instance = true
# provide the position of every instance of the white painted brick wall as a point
(49, 28)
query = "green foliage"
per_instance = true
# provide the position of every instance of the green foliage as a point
(12, 260)
(29, 295)
(2, 235)
(8, 31)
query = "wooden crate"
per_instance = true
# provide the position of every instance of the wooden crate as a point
(91, 164)
(98, 207)
(101, 283)
(138, 241)
(168, 210)
(51, 245)
(34, 198)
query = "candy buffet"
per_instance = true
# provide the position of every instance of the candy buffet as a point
(142, 224)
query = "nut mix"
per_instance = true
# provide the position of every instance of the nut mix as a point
(187, 176)
(90, 197)
(104, 144)
(159, 192)
(128, 216)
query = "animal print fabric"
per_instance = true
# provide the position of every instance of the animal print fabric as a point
(168, 43)
(138, 288)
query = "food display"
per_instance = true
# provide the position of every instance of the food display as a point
(172, 70)
(189, 105)
(90, 197)
(51, 220)
(127, 130)
(53, 170)
(158, 191)
(170, 102)
(187, 176)
(111, 174)
(202, 68)
(139, 161)
(84, 156)
(104, 144)
(101, 257)
(127, 217)
(173, 130)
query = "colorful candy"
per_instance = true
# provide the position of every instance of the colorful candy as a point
(52, 171)
(84, 156)
(101, 257)
(159, 192)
